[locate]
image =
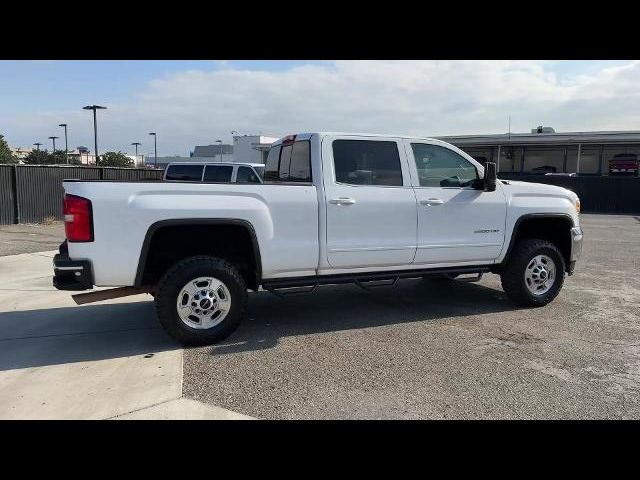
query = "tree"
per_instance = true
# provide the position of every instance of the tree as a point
(37, 157)
(6, 155)
(113, 159)
(43, 157)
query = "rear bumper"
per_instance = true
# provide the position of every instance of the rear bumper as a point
(71, 274)
(576, 247)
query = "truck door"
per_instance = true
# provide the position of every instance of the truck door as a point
(370, 205)
(456, 222)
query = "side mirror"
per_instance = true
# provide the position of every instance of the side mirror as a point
(490, 177)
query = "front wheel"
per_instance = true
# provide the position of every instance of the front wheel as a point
(201, 300)
(534, 274)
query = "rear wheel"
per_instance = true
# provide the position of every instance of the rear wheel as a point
(534, 274)
(201, 300)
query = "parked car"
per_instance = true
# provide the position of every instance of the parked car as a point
(544, 169)
(624, 164)
(334, 208)
(214, 172)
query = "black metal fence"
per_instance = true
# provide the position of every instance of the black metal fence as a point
(597, 194)
(33, 193)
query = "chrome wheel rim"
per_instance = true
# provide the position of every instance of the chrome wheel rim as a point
(203, 302)
(540, 274)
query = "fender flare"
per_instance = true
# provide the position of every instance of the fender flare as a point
(153, 228)
(529, 216)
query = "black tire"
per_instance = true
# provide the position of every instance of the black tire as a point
(178, 276)
(513, 274)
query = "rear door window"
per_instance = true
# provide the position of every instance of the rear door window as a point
(191, 173)
(367, 162)
(218, 173)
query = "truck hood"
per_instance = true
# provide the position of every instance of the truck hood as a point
(515, 187)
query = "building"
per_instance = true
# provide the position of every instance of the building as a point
(252, 148)
(21, 152)
(245, 148)
(544, 150)
(220, 152)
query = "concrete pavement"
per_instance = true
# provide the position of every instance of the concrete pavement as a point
(15, 239)
(63, 361)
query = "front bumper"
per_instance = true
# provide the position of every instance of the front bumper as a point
(71, 274)
(576, 247)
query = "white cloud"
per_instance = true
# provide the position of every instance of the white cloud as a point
(413, 97)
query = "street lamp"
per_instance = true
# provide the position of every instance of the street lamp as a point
(54, 143)
(155, 149)
(66, 145)
(37, 144)
(220, 144)
(95, 126)
(137, 144)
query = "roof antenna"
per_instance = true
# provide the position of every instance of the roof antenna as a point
(509, 127)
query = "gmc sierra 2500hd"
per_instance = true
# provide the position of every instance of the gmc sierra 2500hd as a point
(333, 208)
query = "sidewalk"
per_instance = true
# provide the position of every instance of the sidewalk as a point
(63, 361)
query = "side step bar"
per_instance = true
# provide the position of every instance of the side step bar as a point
(367, 281)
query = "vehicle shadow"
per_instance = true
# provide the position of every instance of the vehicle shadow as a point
(335, 308)
(36, 338)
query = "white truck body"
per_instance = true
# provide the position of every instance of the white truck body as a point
(324, 227)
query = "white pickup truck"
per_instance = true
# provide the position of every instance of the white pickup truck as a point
(334, 208)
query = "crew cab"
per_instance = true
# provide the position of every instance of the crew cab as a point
(334, 208)
(214, 172)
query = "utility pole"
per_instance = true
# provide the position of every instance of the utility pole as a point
(155, 149)
(137, 144)
(54, 143)
(95, 126)
(66, 144)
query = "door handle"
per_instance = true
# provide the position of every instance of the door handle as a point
(343, 201)
(432, 202)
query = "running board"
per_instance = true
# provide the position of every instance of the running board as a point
(297, 285)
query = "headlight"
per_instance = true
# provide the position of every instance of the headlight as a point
(578, 206)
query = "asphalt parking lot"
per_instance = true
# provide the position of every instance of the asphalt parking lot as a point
(420, 350)
(424, 350)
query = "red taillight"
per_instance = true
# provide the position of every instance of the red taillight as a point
(78, 224)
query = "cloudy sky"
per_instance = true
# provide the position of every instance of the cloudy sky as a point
(197, 102)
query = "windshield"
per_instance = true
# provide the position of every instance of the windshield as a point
(260, 171)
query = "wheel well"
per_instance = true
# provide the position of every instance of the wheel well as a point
(169, 243)
(556, 230)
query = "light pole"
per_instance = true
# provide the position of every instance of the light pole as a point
(95, 126)
(155, 149)
(54, 143)
(37, 144)
(219, 142)
(66, 145)
(137, 144)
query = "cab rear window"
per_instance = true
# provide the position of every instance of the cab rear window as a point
(289, 163)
